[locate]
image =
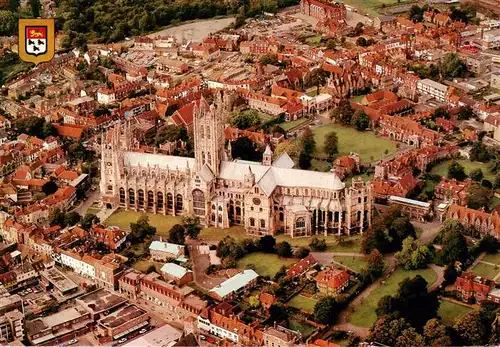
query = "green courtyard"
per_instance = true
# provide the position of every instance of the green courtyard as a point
(492, 258)
(302, 303)
(163, 224)
(486, 270)
(372, 6)
(369, 146)
(265, 264)
(442, 168)
(364, 315)
(354, 263)
(292, 124)
(448, 311)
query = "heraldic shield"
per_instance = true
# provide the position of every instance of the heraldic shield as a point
(36, 40)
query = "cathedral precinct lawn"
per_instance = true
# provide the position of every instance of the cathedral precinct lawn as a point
(369, 146)
(442, 168)
(123, 218)
(303, 303)
(217, 234)
(485, 270)
(364, 315)
(265, 264)
(350, 243)
(354, 263)
(492, 258)
(449, 310)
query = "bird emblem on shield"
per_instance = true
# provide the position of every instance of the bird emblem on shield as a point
(36, 40)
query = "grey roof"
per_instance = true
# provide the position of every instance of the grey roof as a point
(434, 84)
(409, 201)
(163, 161)
(165, 247)
(174, 270)
(284, 161)
(235, 283)
(206, 174)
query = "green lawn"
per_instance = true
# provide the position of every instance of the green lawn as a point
(364, 315)
(492, 258)
(264, 117)
(485, 270)
(217, 234)
(305, 329)
(162, 223)
(320, 165)
(292, 124)
(354, 263)
(92, 210)
(369, 146)
(350, 243)
(448, 311)
(313, 40)
(303, 303)
(494, 202)
(370, 6)
(265, 264)
(442, 168)
(143, 265)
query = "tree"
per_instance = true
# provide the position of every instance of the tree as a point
(288, 147)
(13, 5)
(477, 175)
(375, 238)
(454, 245)
(307, 141)
(456, 171)
(192, 226)
(72, 218)
(245, 120)
(471, 330)
(267, 244)
(88, 221)
(36, 8)
(177, 234)
(343, 113)
(245, 149)
(248, 246)
(478, 196)
(56, 217)
(410, 338)
(416, 14)
(254, 301)
(360, 121)
(50, 187)
(228, 248)
(450, 274)
(465, 113)
(8, 23)
(399, 229)
(325, 310)
(361, 41)
(283, 249)
(479, 152)
(268, 59)
(330, 144)
(141, 229)
(413, 255)
(451, 66)
(436, 334)
(277, 313)
(386, 330)
(375, 265)
(302, 252)
(488, 244)
(318, 245)
(304, 160)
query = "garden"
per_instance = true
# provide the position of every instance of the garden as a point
(442, 168)
(449, 311)
(265, 264)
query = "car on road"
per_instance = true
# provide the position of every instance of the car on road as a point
(122, 340)
(142, 331)
(72, 342)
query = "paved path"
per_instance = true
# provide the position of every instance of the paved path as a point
(439, 270)
(430, 230)
(200, 265)
(85, 204)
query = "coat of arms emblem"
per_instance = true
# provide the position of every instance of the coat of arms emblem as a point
(36, 40)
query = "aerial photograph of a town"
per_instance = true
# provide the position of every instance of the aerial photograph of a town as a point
(275, 173)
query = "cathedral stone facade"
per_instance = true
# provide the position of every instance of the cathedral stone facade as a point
(265, 198)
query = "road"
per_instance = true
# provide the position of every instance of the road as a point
(430, 230)
(85, 204)
(200, 265)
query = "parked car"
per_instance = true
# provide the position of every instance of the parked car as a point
(142, 331)
(122, 340)
(72, 342)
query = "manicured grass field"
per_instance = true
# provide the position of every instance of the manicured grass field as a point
(305, 329)
(448, 311)
(442, 168)
(217, 234)
(350, 244)
(485, 270)
(492, 258)
(364, 315)
(292, 124)
(320, 165)
(143, 265)
(354, 263)
(303, 303)
(369, 146)
(265, 264)
(162, 223)
(92, 210)
(370, 6)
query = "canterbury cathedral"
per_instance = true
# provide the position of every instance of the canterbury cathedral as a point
(265, 197)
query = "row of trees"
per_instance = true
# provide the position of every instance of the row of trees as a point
(346, 115)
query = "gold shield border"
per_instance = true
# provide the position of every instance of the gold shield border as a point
(51, 38)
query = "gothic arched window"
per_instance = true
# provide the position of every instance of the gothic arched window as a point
(198, 202)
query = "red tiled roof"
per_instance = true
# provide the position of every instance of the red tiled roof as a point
(303, 265)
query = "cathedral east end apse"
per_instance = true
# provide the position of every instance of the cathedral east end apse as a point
(265, 197)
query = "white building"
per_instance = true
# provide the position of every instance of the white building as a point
(77, 264)
(429, 87)
(106, 96)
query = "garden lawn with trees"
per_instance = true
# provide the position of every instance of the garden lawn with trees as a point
(163, 224)
(442, 168)
(353, 263)
(369, 146)
(448, 311)
(265, 264)
(303, 303)
(364, 315)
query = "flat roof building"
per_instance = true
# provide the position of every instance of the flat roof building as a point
(164, 336)
(234, 285)
(100, 301)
